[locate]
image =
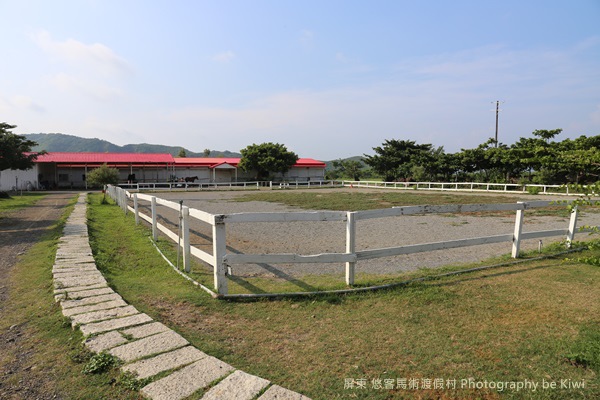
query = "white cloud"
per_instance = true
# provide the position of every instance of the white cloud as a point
(96, 55)
(25, 102)
(90, 88)
(224, 57)
(306, 39)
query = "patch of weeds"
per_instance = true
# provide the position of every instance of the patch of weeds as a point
(100, 363)
(585, 351)
(80, 355)
(129, 381)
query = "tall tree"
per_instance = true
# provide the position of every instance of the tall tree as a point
(15, 149)
(182, 153)
(266, 158)
(396, 159)
(348, 168)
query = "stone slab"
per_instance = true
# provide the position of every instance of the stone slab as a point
(82, 294)
(104, 341)
(79, 288)
(79, 281)
(164, 362)
(148, 346)
(114, 324)
(187, 380)
(276, 392)
(237, 386)
(90, 300)
(75, 272)
(102, 315)
(145, 330)
(67, 312)
(74, 267)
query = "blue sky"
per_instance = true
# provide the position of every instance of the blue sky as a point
(329, 79)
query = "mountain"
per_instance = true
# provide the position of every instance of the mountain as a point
(60, 142)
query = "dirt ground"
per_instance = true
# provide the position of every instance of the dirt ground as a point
(19, 230)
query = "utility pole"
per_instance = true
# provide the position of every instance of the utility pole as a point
(497, 112)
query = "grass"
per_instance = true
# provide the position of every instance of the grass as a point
(19, 201)
(536, 321)
(57, 357)
(345, 200)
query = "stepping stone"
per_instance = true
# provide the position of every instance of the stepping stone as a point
(114, 324)
(159, 343)
(276, 392)
(187, 380)
(237, 386)
(145, 330)
(104, 341)
(79, 288)
(102, 315)
(90, 300)
(79, 281)
(164, 362)
(67, 312)
(82, 294)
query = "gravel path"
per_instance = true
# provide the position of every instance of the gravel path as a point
(323, 237)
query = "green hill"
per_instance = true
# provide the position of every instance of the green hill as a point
(60, 142)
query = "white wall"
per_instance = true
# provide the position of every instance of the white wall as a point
(24, 179)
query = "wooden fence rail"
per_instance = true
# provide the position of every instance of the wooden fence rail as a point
(220, 260)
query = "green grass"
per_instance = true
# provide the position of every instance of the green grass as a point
(535, 321)
(57, 355)
(19, 201)
(349, 200)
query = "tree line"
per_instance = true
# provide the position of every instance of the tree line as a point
(539, 159)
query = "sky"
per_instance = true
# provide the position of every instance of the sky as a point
(328, 78)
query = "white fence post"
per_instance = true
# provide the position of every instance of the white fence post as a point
(572, 227)
(219, 250)
(136, 210)
(154, 222)
(517, 234)
(350, 246)
(124, 201)
(185, 228)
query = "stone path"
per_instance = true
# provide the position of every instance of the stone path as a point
(146, 347)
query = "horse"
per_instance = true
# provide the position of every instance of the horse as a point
(191, 179)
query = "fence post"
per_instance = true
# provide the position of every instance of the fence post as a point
(124, 201)
(135, 209)
(572, 226)
(185, 228)
(518, 230)
(350, 246)
(154, 228)
(219, 249)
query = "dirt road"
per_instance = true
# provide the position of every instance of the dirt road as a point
(19, 230)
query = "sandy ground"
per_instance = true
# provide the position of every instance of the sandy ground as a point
(323, 237)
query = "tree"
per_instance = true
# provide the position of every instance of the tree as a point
(266, 158)
(348, 168)
(103, 175)
(206, 152)
(182, 153)
(396, 158)
(15, 149)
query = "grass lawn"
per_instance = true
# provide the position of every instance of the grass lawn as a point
(18, 201)
(348, 200)
(57, 356)
(538, 321)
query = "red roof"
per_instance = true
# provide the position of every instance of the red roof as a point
(214, 162)
(109, 158)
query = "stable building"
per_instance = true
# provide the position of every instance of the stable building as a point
(61, 170)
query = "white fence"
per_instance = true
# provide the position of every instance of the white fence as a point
(220, 260)
(154, 186)
(466, 186)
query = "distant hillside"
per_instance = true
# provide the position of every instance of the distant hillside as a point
(329, 164)
(60, 142)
